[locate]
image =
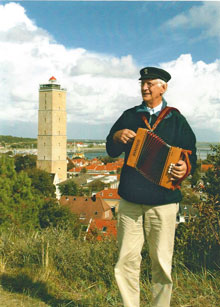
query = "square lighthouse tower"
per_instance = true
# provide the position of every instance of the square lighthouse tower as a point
(52, 129)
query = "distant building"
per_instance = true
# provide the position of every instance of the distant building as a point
(205, 167)
(87, 208)
(102, 229)
(110, 196)
(52, 129)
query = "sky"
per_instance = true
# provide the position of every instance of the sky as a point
(95, 49)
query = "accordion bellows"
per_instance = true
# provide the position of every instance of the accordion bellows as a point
(153, 158)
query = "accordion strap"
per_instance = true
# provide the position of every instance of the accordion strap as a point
(160, 117)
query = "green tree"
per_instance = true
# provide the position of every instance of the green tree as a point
(190, 197)
(69, 188)
(25, 162)
(9, 153)
(211, 178)
(8, 139)
(107, 159)
(83, 170)
(70, 165)
(118, 170)
(96, 185)
(52, 214)
(196, 175)
(42, 182)
(18, 204)
(198, 241)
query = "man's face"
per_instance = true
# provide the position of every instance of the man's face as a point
(152, 89)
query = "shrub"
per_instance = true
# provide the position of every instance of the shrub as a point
(197, 242)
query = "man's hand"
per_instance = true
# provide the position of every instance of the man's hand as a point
(178, 170)
(124, 136)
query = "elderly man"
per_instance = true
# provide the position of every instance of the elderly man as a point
(147, 210)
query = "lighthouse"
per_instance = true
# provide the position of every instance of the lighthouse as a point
(52, 129)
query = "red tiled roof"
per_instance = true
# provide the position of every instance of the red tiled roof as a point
(97, 166)
(75, 169)
(100, 168)
(205, 167)
(52, 79)
(104, 228)
(108, 194)
(87, 207)
(91, 167)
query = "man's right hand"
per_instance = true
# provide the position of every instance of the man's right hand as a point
(124, 136)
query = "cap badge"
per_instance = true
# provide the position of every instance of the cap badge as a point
(146, 71)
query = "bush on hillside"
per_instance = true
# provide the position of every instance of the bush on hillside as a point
(25, 202)
(19, 206)
(23, 162)
(52, 214)
(41, 182)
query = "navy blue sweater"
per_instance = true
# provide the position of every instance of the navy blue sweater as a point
(134, 187)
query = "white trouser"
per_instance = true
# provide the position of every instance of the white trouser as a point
(157, 223)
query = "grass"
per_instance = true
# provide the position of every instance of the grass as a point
(196, 289)
(52, 268)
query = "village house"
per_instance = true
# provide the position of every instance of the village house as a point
(95, 166)
(81, 145)
(205, 167)
(112, 180)
(101, 229)
(111, 197)
(80, 162)
(95, 161)
(73, 171)
(87, 208)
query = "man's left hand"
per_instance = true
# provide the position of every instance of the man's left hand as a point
(178, 170)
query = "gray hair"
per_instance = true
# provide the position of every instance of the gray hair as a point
(161, 81)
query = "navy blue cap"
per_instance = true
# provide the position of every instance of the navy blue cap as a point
(154, 73)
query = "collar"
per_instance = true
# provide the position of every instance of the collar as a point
(143, 108)
(154, 110)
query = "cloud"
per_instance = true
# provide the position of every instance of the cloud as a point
(205, 17)
(105, 66)
(195, 91)
(29, 56)
(17, 17)
(99, 86)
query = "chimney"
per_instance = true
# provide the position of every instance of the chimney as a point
(93, 198)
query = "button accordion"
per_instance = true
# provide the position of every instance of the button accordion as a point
(154, 158)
